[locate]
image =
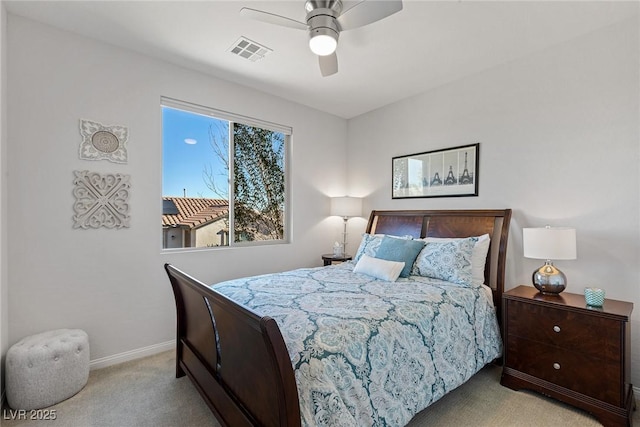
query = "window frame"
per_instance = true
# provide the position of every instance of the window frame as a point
(232, 118)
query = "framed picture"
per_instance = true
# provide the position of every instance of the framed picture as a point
(450, 172)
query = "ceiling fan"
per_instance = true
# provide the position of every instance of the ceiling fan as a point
(325, 20)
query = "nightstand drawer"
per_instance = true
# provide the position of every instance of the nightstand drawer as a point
(558, 346)
(593, 336)
(574, 370)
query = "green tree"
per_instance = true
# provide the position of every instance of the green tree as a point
(258, 181)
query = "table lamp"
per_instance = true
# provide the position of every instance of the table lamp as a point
(549, 243)
(346, 207)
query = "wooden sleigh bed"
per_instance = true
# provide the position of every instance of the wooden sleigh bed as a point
(238, 360)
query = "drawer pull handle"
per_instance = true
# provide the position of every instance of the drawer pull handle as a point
(556, 365)
(556, 328)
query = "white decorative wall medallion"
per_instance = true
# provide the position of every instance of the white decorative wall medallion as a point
(102, 200)
(103, 142)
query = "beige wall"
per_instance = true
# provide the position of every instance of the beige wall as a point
(209, 233)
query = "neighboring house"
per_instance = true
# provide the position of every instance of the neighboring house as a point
(194, 222)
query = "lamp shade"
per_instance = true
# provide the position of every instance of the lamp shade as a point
(346, 206)
(552, 243)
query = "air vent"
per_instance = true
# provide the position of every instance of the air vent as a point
(249, 49)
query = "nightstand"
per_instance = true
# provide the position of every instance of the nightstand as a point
(560, 347)
(331, 258)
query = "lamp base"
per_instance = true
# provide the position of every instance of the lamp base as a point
(549, 280)
(344, 236)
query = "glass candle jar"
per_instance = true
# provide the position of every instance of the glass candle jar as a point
(594, 296)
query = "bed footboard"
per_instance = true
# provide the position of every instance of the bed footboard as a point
(237, 360)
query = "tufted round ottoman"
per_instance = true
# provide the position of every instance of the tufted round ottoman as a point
(47, 368)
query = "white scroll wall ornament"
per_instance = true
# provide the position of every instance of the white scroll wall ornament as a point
(103, 142)
(102, 200)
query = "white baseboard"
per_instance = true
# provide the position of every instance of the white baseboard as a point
(103, 362)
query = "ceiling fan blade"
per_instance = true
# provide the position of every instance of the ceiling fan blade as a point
(328, 64)
(272, 18)
(367, 12)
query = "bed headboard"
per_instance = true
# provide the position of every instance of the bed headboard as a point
(454, 223)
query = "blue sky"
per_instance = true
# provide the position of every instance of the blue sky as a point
(183, 163)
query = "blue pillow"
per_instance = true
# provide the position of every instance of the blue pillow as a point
(370, 244)
(400, 250)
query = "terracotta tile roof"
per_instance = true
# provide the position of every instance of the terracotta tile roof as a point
(194, 212)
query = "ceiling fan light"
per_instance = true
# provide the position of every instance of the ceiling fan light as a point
(323, 43)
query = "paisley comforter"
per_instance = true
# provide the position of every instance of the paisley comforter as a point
(368, 352)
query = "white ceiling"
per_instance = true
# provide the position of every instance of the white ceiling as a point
(427, 44)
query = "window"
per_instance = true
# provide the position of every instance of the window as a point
(224, 178)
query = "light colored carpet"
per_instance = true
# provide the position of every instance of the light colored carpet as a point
(145, 392)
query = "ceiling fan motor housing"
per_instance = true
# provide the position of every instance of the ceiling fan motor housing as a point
(321, 17)
(335, 5)
(322, 24)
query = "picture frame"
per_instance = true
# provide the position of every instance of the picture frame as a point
(448, 172)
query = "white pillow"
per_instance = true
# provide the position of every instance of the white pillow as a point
(478, 256)
(379, 268)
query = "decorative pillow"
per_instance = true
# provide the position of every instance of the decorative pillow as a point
(370, 244)
(400, 250)
(447, 260)
(379, 268)
(478, 255)
(479, 259)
